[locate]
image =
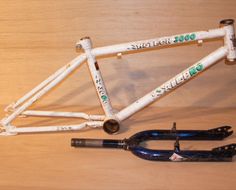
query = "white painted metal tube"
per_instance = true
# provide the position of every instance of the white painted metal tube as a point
(43, 91)
(171, 84)
(158, 42)
(41, 85)
(55, 128)
(230, 43)
(63, 114)
(97, 77)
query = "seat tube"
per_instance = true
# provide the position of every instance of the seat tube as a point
(86, 45)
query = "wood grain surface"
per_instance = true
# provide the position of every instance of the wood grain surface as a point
(47, 162)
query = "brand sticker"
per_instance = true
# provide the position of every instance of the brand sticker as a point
(176, 158)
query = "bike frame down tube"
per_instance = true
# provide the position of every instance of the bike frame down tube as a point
(173, 83)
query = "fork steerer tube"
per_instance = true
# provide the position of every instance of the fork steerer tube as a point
(96, 143)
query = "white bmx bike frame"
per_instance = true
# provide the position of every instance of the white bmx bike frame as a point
(110, 121)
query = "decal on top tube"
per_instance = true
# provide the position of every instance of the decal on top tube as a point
(163, 41)
(185, 38)
(154, 43)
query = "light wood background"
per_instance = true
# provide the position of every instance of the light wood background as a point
(38, 37)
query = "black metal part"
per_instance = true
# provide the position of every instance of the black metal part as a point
(215, 155)
(111, 126)
(218, 133)
(177, 145)
(226, 22)
(96, 65)
(133, 144)
(85, 38)
(230, 62)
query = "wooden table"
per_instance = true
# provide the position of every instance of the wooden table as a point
(46, 161)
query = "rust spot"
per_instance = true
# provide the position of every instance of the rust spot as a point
(96, 65)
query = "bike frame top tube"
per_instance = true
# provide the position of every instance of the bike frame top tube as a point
(159, 42)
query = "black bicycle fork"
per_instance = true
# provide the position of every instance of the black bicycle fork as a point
(133, 144)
